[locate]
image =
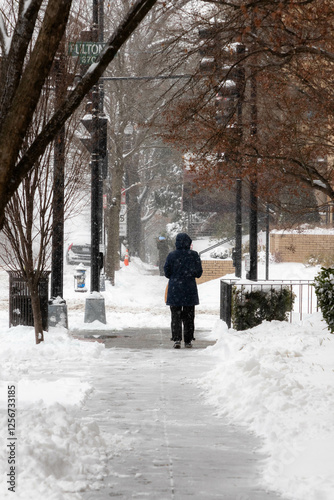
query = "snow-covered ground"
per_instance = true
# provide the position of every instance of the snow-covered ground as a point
(276, 380)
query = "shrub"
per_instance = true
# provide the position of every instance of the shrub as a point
(250, 308)
(325, 259)
(277, 257)
(222, 254)
(324, 289)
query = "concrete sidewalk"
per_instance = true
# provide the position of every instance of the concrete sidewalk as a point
(176, 448)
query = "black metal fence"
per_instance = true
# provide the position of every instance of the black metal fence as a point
(305, 302)
(20, 309)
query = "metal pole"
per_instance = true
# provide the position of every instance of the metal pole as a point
(238, 229)
(252, 275)
(95, 174)
(58, 198)
(58, 216)
(253, 231)
(95, 307)
(238, 201)
(101, 113)
(267, 240)
(95, 204)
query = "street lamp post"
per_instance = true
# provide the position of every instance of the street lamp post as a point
(238, 229)
(238, 202)
(252, 275)
(253, 223)
(58, 196)
(95, 306)
(57, 308)
(95, 194)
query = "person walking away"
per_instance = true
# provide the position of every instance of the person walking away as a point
(182, 266)
(163, 249)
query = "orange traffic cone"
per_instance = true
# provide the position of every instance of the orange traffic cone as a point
(126, 258)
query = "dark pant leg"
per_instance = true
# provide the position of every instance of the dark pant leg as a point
(188, 319)
(176, 324)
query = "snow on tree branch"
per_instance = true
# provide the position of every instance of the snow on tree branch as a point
(4, 38)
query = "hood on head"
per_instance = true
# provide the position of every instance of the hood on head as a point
(183, 241)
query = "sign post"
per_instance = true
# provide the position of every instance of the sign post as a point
(123, 221)
(88, 52)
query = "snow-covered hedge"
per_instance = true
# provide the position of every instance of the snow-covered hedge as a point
(250, 308)
(221, 254)
(324, 289)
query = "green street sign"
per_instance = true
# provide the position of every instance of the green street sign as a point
(87, 51)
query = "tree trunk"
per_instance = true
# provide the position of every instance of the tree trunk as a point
(112, 260)
(134, 221)
(37, 313)
(134, 208)
(114, 203)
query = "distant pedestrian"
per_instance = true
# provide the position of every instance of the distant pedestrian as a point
(182, 266)
(163, 249)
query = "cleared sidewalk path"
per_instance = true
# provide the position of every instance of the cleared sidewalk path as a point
(173, 446)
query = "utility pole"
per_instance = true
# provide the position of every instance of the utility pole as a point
(95, 195)
(238, 229)
(267, 239)
(252, 275)
(95, 171)
(95, 306)
(58, 308)
(58, 194)
(238, 200)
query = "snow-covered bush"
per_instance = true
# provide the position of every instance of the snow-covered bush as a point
(324, 289)
(219, 254)
(250, 308)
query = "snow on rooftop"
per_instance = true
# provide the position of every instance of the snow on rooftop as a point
(304, 230)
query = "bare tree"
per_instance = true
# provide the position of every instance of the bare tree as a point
(28, 49)
(27, 227)
(28, 222)
(288, 51)
(133, 103)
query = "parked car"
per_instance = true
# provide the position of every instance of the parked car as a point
(77, 254)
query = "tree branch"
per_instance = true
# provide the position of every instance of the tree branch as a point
(94, 72)
(16, 53)
(4, 38)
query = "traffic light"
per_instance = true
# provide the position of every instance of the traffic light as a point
(103, 151)
(87, 121)
(221, 63)
(226, 98)
(228, 95)
(209, 46)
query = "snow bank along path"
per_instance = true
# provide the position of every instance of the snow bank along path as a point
(58, 453)
(277, 380)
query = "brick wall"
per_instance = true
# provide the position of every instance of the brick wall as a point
(299, 247)
(213, 269)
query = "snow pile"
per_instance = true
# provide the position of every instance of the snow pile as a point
(59, 453)
(278, 380)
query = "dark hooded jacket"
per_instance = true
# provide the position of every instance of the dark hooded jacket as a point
(181, 268)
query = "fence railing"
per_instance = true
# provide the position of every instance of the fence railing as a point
(305, 302)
